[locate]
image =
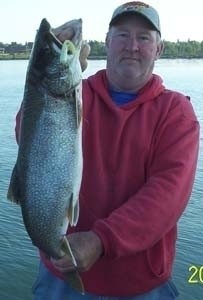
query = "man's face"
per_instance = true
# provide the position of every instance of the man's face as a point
(132, 47)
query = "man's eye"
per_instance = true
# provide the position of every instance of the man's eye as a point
(144, 38)
(122, 34)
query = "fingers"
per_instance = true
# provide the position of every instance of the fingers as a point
(64, 34)
(84, 52)
(63, 264)
(86, 247)
(71, 30)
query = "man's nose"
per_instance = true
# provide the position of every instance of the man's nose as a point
(132, 44)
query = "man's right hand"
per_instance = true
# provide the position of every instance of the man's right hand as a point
(67, 32)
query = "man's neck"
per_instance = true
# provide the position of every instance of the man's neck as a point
(126, 85)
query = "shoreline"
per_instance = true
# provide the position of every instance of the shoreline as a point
(26, 57)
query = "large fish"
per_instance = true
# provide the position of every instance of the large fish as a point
(47, 176)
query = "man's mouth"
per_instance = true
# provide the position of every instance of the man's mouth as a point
(131, 59)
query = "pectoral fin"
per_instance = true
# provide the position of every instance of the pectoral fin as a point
(14, 187)
(65, 247)
(73, 211)
(78, 105)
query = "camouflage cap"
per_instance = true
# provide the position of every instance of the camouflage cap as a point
(140, 8)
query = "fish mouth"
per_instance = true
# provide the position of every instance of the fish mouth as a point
(67, 49)
(55, 64)
(53, 38)
(75, 39)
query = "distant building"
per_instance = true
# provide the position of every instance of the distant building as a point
(29, 46)
(2, 50)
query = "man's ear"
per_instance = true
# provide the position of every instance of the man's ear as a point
(107, 40)
(160, 49)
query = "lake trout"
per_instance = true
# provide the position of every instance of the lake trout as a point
(47, 175)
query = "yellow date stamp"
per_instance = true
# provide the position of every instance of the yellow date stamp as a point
(196, 274)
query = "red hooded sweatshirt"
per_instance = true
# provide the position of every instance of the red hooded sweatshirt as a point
(139, 167)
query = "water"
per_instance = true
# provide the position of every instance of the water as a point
(19, 258)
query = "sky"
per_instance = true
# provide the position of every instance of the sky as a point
(19, 19)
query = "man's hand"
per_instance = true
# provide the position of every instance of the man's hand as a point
(86, 248)
(84, 52)
(68, 31)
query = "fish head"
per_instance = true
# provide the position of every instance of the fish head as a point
(55, 65)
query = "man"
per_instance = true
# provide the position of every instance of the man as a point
(140, 146)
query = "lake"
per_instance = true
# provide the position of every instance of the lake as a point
(19, 258)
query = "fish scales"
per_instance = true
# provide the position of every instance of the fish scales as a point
(47, 176)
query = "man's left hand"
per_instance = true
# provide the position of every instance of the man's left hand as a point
(86, 248)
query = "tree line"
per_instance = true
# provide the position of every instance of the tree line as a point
(178, 49)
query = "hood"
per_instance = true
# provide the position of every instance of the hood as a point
(99, 85)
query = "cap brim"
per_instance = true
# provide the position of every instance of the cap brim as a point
(126, 13)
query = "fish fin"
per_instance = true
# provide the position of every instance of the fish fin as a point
(73, 278)
(70, 209)
(78, 105)
(73, 211)
(75, 214)
(65, 247)
(75, 281)
(13, 193)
